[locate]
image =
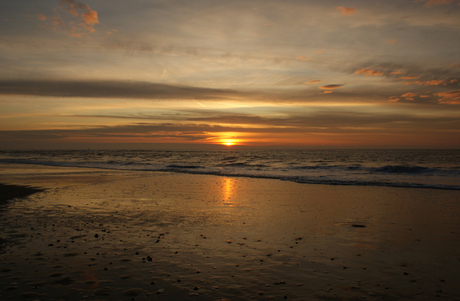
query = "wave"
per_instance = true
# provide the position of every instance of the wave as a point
(243, 165)
(400, 169)
(389, 175)
(183, 166)
(325, 167)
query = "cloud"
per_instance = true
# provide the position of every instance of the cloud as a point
(201, 128)
(88, 15)
(346, 10)
(428, 83)
(408, 71)
(431, 3)
(391, 41)
(313, 82)
(41, 17)
(85, 17)
(331, 87)
(456, 65)
(302, 58)
(163, 92)
(114, 89)
(368, 72)
(451, 97)
(409, 95)
(110, 89)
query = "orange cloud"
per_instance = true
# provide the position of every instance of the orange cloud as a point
(431, 3)
(394, 99)
(327, 92)
(456, 65)
(346, 10)
(395, 72)
(302, 58)
(392, 41)
(56, 19)
(41, 17)
(428, 83)
(86, 16)
(111, 31)
(409, 77)
(312, 82)
(368, 72)
(409, 95)
(452, 97)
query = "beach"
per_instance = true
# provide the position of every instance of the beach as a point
(94, 234)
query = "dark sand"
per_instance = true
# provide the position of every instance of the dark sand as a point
(99, 235)
(10, 192)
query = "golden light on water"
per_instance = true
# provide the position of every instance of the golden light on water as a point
(227, 190)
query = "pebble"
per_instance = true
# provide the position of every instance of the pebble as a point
(133, 292)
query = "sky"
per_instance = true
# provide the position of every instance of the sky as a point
(181, 73)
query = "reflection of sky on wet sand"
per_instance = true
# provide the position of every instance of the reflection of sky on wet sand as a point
(229, 192)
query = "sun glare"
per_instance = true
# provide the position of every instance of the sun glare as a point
(229, 142)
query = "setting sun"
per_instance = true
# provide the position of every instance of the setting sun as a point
(229, 142)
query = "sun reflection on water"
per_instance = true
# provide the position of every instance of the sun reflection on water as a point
(228, 192)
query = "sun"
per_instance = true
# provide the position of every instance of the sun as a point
(229, 142)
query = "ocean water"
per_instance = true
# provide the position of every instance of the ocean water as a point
(398, 168)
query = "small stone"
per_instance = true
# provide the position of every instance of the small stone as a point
(133, 292)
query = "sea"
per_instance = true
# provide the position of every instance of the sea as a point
(438, 169)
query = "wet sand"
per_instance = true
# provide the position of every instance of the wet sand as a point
(116, 235)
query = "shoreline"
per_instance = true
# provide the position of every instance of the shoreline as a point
(108, 235)
(83, 169)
